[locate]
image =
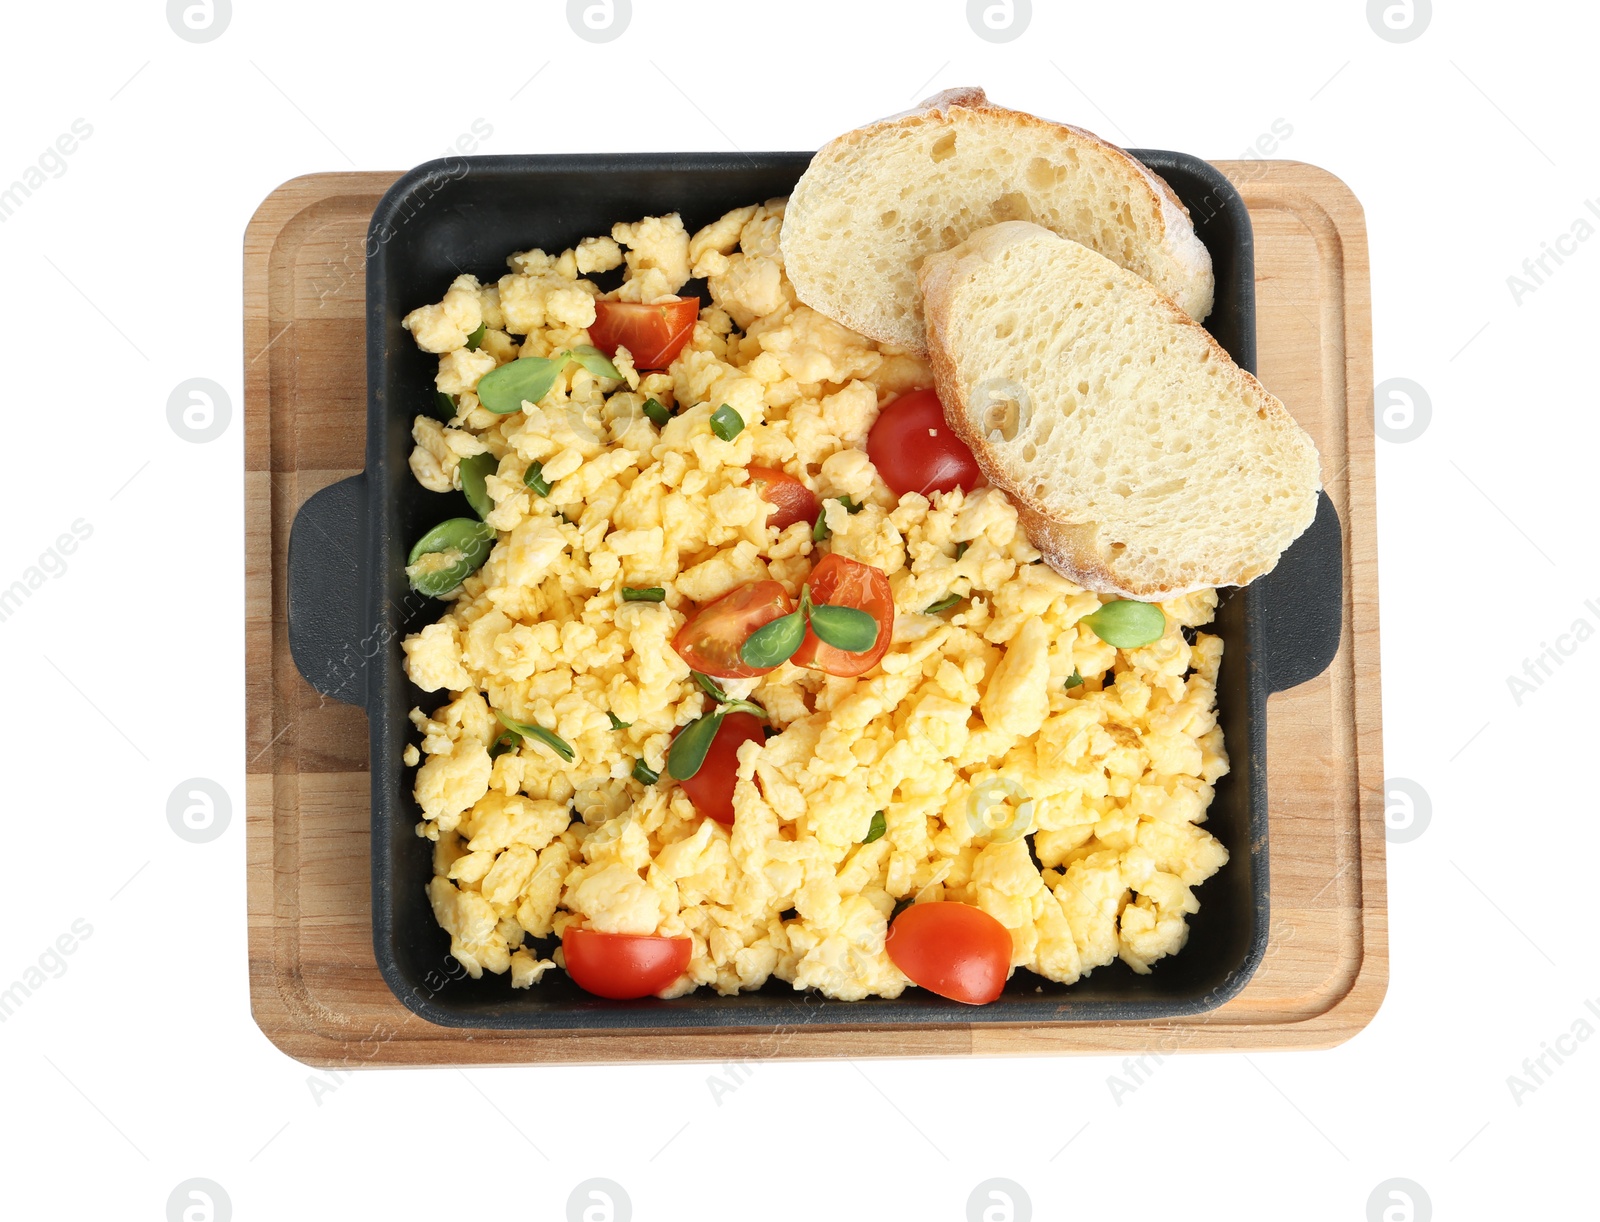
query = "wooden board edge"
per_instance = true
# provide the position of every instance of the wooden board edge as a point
(1309, 188)
(1342, 1020)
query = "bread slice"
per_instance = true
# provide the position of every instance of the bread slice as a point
(1142, 460)
(876, 201)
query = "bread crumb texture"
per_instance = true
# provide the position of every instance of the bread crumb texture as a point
(877, 201)
(1145, 461)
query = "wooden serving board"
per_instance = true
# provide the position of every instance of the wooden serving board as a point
(314, 986)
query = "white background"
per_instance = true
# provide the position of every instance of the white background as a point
(139, 1066)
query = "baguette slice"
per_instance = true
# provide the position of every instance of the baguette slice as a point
(874, 202)
(1143, 462)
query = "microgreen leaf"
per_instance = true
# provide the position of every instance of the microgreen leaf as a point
(709, 686)
(1127, 624)
(640, 594)
(554, 741)
(726, 423)
(728, 705)
(773, 644)
(475, 468)
(596, 362)
(876, 828)
(942, 604)
(688, 750)
(644, 774)
(539, 734)
(535, 480)
(448, 554)
(657, 414)
(846, 628)
(527, 379)
(820, 530)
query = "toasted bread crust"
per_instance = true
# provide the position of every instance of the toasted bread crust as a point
(1165, 212)
(1066, 546)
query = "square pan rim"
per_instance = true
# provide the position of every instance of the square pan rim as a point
(933, 1015)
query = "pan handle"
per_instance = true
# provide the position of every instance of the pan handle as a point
(1301, 603)
(327, 634)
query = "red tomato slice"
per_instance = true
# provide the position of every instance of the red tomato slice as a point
(916, 451)
(623, 965)
(842, 582)
(791, 500)
(954, 950)
(710, 642)
(653, 334)
(711, 789)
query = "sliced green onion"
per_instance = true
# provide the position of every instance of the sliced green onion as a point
(726, 423)
(657, 414)
(1074, 679)
(635, 594)
(1127, 624)
(942, 604)
(539, 734)
(444, 406)
(616, 722)
(961, 549)
(476, 338)
(644, 774)
(508, 740)
(876, 829)
(534, 478)
(688, 750)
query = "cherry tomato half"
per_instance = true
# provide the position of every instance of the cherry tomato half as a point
(916, 451)
(711, 789)
(710, 642)
(842, 582)
(954, 950)
(653, 334)
(791, 500)
(623, 965)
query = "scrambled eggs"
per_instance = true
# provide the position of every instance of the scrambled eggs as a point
(973, 737)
